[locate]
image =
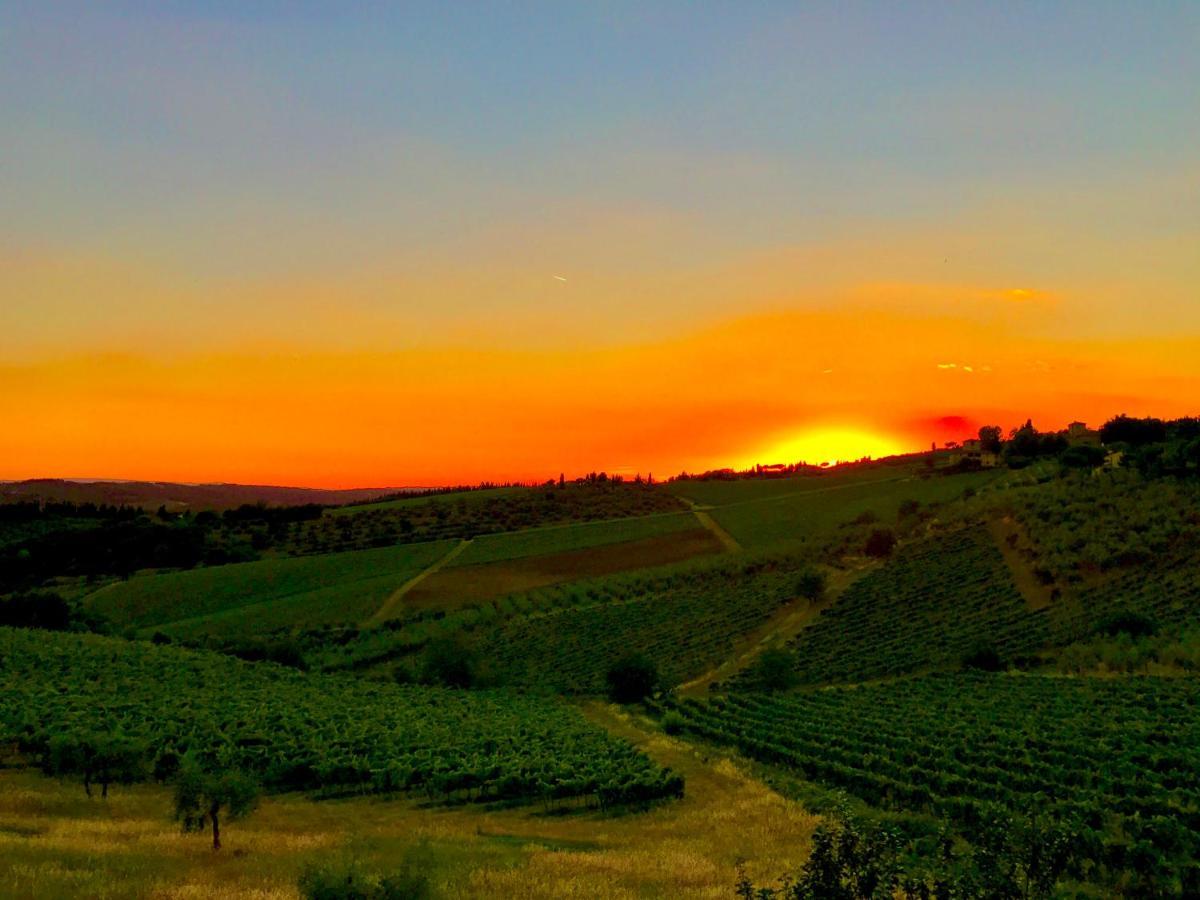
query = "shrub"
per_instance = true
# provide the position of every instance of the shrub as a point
(1134, 624)
(673, 722)
(810, 584)
(880, 543)
(448, 661)
(349, 884)
(47, 611)
(632, 678)
(775, 669)
(984, 658)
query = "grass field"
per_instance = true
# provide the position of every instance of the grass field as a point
(458, 585)
(559, 538)
(334, 587)
(718, 492)
(762, 519)
(1096, 752)
(56, 843)
(469, 497)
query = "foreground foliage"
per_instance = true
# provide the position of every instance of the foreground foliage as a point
(293, 731)
(1113, 760)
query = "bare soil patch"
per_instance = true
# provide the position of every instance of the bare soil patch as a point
(463, 585)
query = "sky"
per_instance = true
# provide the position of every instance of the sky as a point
(413, 244)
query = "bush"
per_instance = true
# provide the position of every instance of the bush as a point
(775, 669)
(448, 661)
(1134, 624)
(49, 612)
(810, 585)
(985, 659)
(880, 543)
(349, 884)
(631, 679)
(348, 881)
(673, 722)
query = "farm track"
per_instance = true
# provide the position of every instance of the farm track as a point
(1036, 594)
(389, 605)
(702, 776)
(727, 540)
(789, 621)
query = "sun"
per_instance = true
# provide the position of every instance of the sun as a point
(826, 445)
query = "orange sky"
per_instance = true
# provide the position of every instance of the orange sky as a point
(394, 244)
(728, 394)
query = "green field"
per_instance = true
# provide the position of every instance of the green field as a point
(294, 731)
(469, 497)
(764, 518)
(685, 618)
(334, 587)
(720, 492)
(1113, 761)
(877, 707)
(932, 605)
(560, 538)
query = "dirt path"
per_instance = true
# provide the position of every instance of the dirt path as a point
(389, 606)
(726, 539)
(699, 510)
(704, 775)
(787, 622)
(1010, 538)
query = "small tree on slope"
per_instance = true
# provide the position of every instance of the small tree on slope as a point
(202, 798)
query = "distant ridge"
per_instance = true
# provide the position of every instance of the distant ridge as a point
(152, 494)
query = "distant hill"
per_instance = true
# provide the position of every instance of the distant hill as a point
(152, 494)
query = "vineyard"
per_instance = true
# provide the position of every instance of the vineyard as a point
(685, 620)
(316, 733)
(944, 598)
(560, 538)
(470, 515)
(929, 606)
(1115, 759)
(269, 593)
(819, 506)
(1085, 526)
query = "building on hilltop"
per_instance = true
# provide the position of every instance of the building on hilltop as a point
(1079, 434)
(971, 452)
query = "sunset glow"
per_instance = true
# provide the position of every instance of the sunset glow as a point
(827, 446)
(475, 250)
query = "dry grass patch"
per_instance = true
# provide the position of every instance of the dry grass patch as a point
(54, 842)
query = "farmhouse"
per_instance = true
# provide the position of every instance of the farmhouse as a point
(972, 451)
(1079, 434)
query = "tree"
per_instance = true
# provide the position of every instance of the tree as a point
(1124, 429)
(984, 658)
(49, 612)
(101, 759)
(989, 438)
(202, 797)
(811, 585)
(880, 543)
(632, 678)
(1082, 456)
(450, 662)
(775, 669)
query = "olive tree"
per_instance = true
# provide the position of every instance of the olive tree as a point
(203, 797)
